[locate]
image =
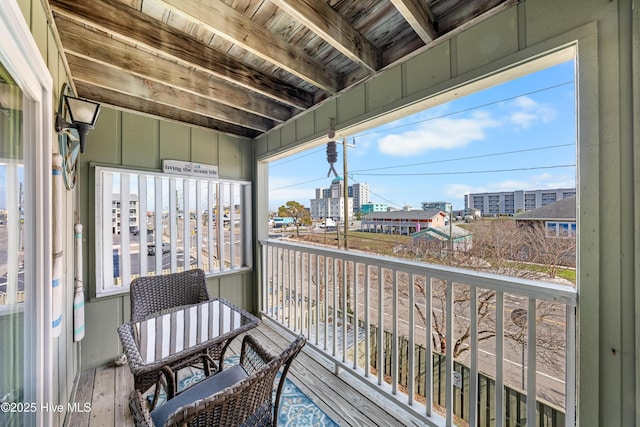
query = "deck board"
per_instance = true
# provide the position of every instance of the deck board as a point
(104, 394)
(84, 394)
(108, 388)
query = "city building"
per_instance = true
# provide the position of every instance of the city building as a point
(132, 214)
(443, 206)
(372, 207)
(403, 222)
(329, 202)
(558, 219)
(360, 195)
(512, 202)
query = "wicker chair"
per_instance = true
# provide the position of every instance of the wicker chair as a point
(151, 295)
(241, 395)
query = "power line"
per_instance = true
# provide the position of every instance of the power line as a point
(375, 194)
(436, 117)
(295, 158)
(298, 183)
(466, 158)
(467, 172)
(467, 109)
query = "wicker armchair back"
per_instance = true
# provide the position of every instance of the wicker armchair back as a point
(152, 294)
(248, 402)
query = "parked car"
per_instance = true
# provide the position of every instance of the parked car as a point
(151, 248)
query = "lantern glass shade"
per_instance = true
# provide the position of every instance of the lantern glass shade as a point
(82, 111)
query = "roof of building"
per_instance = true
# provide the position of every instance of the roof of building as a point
(442, 233)
(564, 209)
(416, 214)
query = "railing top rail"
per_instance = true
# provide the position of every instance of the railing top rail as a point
(510, 285)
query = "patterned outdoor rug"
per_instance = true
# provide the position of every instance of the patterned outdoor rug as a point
(296, 409)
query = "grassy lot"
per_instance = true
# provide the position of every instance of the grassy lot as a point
(377, 243)
(383, 244)
(564, 273)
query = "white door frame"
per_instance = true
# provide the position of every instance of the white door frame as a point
(19, 54)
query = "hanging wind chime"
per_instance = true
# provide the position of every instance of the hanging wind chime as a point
(332, 157)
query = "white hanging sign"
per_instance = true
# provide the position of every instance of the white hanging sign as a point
(189, 168)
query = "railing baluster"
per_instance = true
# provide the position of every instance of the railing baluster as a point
(318, 305)
(473, 350)
(142, 224)
(500, 404)
(334, 323)
(125, 267)
(186, 232)
(380, 343)
(297, 291)
(13, 233)
(531, 362)
(309, 304)
(345, 287)
(367, 321)
(210, 236)
(199, 223)
(356, 320)
(428, 371)
(326, 303)
(173, 227)
(265, 279)
(289, 289)
(276, 284)
(411, 379)
(394, 346)
(570, 375)
(449, 352)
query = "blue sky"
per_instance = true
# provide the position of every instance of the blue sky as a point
(519, 135)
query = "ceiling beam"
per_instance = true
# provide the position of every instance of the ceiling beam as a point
(329, 25)
(101, 75)
(97, 46)
(420, 17)
(137, 105)
(137, 28)
(236, 28)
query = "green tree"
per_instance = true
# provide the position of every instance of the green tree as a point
(297, 211)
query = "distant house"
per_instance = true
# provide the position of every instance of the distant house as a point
(403, 222)
(444, 235)
(558, 219)
(282, 222)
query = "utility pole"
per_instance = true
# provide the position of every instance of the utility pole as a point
(345, 192)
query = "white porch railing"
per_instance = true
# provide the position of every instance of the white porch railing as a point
(319, 292)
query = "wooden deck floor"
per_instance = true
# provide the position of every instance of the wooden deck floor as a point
(108, 389)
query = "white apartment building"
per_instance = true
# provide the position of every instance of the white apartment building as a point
(510, 202)
(329, 202)
(360, 195)
(131, 214)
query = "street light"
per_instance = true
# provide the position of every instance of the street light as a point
(519, 317)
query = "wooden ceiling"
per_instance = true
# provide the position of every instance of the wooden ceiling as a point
(243, 67)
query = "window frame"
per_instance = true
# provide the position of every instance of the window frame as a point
(217, 190)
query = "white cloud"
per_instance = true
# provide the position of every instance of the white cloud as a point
(443, 133)
(526, 112)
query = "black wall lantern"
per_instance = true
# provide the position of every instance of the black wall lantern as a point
(82, 114)
(74, 119)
